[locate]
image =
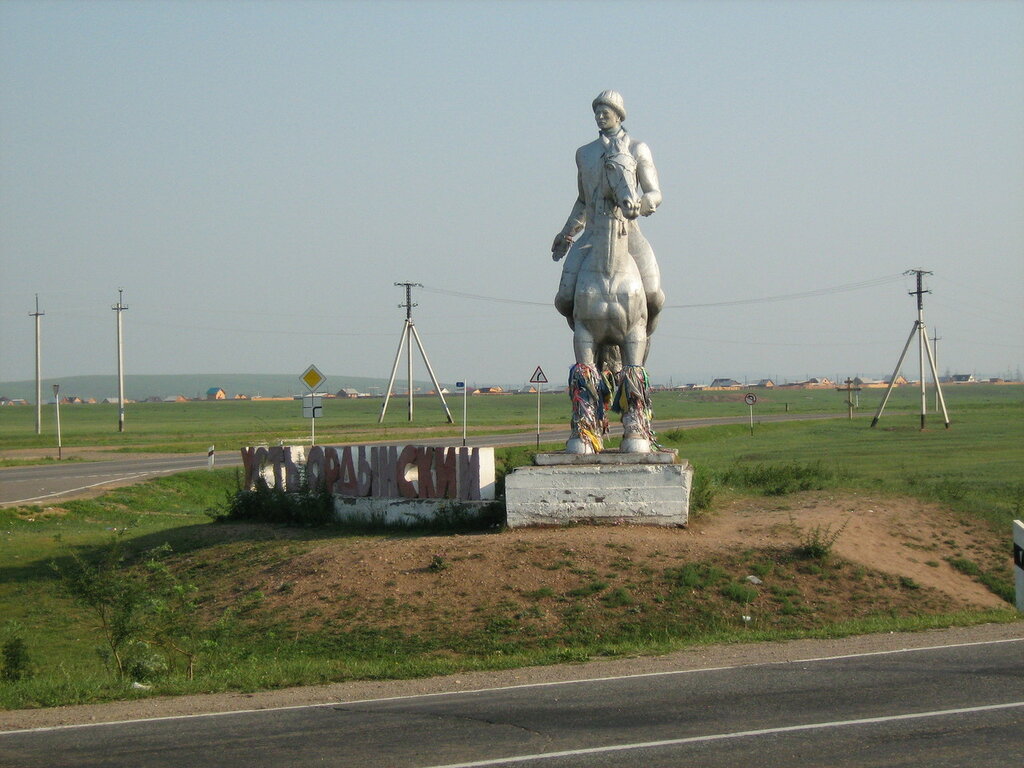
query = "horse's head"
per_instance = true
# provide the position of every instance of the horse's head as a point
(620, 177)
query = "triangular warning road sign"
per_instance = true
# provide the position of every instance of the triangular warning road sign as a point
(539, 377)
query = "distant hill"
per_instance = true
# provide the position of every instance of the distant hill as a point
(138, 387)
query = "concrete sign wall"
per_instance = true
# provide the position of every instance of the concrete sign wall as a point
(375, 471)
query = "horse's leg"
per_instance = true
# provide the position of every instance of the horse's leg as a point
(587, 405)
(584, 346)
(633, 392)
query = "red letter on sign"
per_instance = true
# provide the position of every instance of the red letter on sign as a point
(347, 482)
(407, 457)
(446, 473)
(315, 468)
(424, 464)
(332, 468)
(469, 474)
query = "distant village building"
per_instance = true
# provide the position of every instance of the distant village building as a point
(724, 384)
(490, 391)
(174, 399)
(765, 384)
(349, 392)
(812, 383)
(864, 383)
(216, 393)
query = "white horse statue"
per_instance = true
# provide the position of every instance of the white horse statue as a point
(610, 338)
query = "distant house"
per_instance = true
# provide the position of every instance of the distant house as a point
(490, 391)
(175, 399)
(216, 393)
(13, 401)
(765, 384)
(962, 378)
(812, 383)
(348, 392)
(724, 384)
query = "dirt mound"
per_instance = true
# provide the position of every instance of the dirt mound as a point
(889, 555)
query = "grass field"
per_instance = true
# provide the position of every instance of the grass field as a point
(193, 426)
(974, 468)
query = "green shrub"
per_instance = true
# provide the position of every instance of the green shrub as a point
(816, 543)
(305, 507)
(104, 586)
(703, 489)
(17, 665)
(740, 593)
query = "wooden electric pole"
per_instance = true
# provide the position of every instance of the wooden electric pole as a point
(39, 385)
(849, 389)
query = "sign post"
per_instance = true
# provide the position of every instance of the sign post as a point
(312, 406)
(462, 385)
(1018, 562)
(538, 378)
(750, 399)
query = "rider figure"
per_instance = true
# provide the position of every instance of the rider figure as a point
(609, 113)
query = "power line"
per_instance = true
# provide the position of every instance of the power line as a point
(800, 295)
(734, 302)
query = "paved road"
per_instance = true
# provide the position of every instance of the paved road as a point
(937, 707)
(48, 483)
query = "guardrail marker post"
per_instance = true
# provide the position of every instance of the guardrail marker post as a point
(1018, 561)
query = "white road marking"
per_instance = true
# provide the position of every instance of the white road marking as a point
(495, 689)
(93, 485)
(732, 735)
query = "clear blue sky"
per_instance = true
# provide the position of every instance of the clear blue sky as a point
(258, 175)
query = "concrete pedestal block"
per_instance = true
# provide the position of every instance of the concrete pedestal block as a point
(641, 490)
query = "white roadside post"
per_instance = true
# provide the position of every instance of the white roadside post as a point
(209, 458)
(1018, 561)
(56, 402)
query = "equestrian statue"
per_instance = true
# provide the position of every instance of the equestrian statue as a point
(610, 290)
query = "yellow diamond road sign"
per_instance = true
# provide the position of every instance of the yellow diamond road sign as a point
(312, 378)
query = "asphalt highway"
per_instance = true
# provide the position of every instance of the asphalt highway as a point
(944, 706)
(43, 484)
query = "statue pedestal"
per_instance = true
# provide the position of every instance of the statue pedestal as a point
(610, 487)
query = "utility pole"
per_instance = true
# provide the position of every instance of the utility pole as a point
(39, 382)
(923, 347)
(119, 308)
(408, 333)
(935, 352)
